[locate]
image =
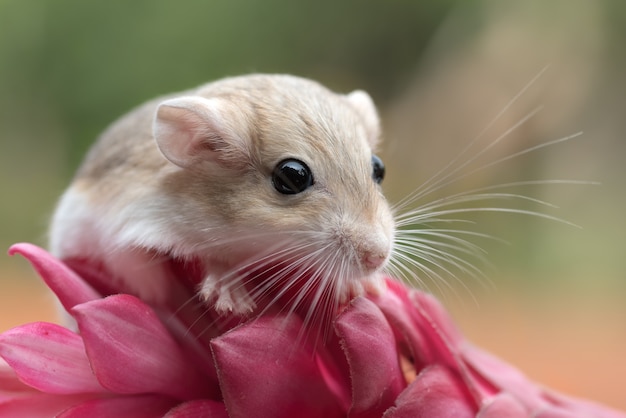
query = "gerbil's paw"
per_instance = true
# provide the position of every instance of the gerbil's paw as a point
(227, 303)
(228, 299)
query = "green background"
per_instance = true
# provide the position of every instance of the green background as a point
(439, 71)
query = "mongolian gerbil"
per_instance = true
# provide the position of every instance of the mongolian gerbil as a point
(259, 170)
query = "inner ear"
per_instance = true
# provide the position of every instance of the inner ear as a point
(195, 132)
(364, 105)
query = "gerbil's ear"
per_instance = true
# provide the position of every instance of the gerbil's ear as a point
(194, 132)
(364, 104)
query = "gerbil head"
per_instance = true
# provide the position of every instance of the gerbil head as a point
(279, 172)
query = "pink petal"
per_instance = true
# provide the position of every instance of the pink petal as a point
(429, 317)
(49, 358)
(264, 374)
(9, 382)
(503, 376)
(431, 335)
(370, 348)
(331, 361)
(180, 317)
(200, 408)
(432, 309)
(550, 412)
(69, 287)
(575, 407)
(191, 338)
(131, 351)
(39, 405)
(435, 393)
(502, 405)
(144, 406)
(421, 334)
(94, 272)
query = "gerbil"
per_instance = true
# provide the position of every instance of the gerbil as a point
(258, 170)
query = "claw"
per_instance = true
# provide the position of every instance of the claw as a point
(229, 299)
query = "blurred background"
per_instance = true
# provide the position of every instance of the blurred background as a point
(439, 70)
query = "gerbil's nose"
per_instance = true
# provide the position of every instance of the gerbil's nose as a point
(373, 260)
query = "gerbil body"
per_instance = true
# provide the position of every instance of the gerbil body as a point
(201, 175)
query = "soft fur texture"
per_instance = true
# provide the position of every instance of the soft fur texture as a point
(189, 176)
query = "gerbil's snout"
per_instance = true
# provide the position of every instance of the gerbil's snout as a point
(372, 252)
(373, 260)
(367, 244)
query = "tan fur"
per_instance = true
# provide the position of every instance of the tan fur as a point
(127, 195)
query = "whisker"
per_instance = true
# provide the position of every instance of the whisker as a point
(507, 210)
(435, 277)
(420, 192)
(468, 198)
(467, 248)
(435, 181)
(323, 292)
(524, 152)
(421, 249)
(442, 181)
(301, 264)
(278, 252)
(422, 219)
(448, 234)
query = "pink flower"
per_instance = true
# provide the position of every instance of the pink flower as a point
(394, 355)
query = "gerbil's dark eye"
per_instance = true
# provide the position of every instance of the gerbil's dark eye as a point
(378, 169)
(291, 176)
